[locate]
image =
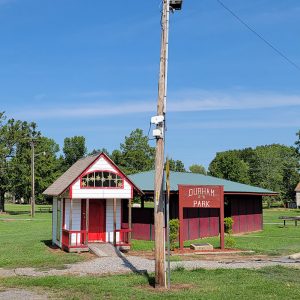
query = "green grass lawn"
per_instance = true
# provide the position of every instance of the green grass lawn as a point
(273, 240)
(26, 243)
(267, 283)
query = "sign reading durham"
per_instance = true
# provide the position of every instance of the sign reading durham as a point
(204, 196)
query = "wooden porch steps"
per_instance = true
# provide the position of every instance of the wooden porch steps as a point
(104, 250)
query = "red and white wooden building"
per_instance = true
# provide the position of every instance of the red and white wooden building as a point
(87, 203)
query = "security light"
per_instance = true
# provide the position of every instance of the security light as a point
(176, 4)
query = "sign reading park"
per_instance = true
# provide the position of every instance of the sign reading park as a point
(201, 196)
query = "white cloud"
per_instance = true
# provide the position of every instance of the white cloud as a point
(184, 101)
(255, 124)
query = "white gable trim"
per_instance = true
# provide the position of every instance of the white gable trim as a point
(101, 164)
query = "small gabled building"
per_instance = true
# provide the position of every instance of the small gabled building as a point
(87, 204)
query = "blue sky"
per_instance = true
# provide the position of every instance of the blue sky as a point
(91, 68)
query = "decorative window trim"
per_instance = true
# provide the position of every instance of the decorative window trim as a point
(121, 178)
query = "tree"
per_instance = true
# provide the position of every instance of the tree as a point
(47, 168)
(74, 149)
(229, 166)
(297, 143)
(97, 151)
(199, 169)
(135, 153)
(12, 132)
(176, 165)
(275, 167)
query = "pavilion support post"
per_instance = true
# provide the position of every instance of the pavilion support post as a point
(70, 221)
(129, 219)
(222, 234)
(115, 220)
(87, 212)
(180, 225)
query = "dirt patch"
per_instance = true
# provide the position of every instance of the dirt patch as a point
(190, 255)
(10, 294)
(174, 288)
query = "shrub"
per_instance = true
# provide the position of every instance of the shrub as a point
(174, 226)
(228, 222)
(229, 242)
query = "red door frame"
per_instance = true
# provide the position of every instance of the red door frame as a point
(201, 196)
(97, 209)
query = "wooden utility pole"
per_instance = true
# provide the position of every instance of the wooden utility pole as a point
(159, 133)
(159, 203)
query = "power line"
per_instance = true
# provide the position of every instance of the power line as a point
(259, 35)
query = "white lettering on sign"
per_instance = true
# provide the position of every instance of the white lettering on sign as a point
(201, 192)
(201, 203)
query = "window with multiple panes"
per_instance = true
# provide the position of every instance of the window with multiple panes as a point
(101, 179)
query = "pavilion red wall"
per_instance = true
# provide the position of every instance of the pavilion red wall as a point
(246, 212)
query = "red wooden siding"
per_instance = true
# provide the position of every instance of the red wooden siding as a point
(246, 211)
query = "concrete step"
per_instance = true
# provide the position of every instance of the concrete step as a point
(104, 250)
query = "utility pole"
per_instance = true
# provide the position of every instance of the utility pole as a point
(159, 132)
(32, 180)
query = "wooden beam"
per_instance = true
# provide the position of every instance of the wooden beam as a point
(129, 219)
(115, 221)
(87, 212)
(222, 234)
(70, 215)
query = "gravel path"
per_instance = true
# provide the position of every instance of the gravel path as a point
(16, 294)
(129, 264)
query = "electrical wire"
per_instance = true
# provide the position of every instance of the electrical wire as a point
(259, 35)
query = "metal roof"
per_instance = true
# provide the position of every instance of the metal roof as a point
(145, 181)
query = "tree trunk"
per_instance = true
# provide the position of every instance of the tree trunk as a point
(2, 209)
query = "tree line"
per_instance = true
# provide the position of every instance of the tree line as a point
(274, 167)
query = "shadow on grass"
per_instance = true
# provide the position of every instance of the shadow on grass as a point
(15, 213)
(49, 244)
(128, 264)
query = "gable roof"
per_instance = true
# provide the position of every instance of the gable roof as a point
(297, 189)
(61, 184)
(145, 181)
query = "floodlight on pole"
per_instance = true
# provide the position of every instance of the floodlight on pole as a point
(176, 4)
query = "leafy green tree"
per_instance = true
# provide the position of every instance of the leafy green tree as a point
(229, 166)
(47, 168)
(199, 169)
(97, 151)
(135, 153)
(12, 132)
(275, 167)
(297, 143)
(176, 165)
(74, 149)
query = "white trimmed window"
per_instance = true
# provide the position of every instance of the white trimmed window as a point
(101, 179)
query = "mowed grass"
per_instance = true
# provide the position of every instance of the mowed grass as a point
(273, 240)
(267, 283)
(26, 242)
